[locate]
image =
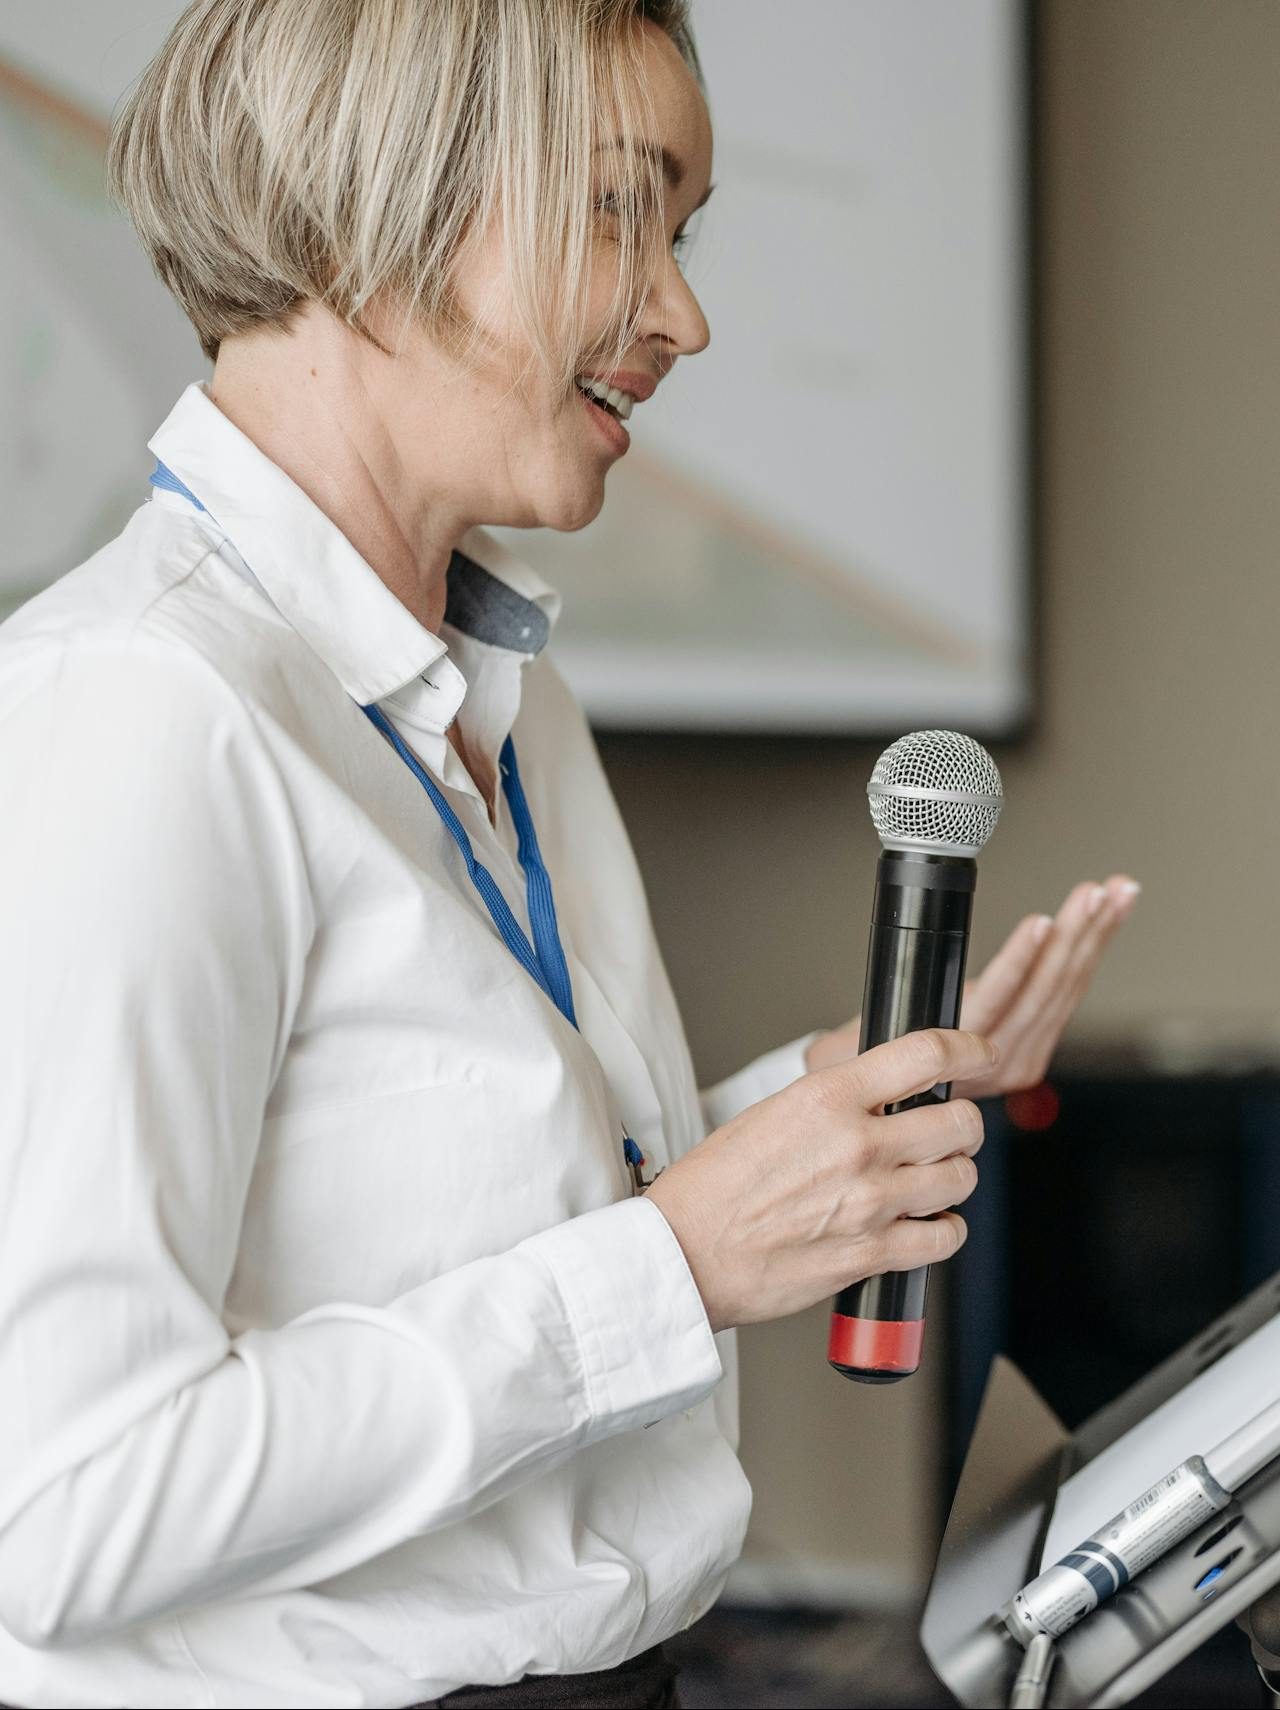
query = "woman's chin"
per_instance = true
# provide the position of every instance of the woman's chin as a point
(574, 506)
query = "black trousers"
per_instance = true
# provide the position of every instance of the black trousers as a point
(647, 1682)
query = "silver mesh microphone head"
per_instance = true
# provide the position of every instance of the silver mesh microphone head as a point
(936, 792)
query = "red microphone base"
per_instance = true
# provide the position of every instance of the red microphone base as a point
(875, 1350)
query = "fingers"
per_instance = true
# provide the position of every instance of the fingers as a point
(1082, 962)
(990, 996)
(927, 1188)
(1083, 936)
(923, 1241)
(1124, 891)
(930, 1132)
(1078, 936)
(910, 1065)
(1085, 924)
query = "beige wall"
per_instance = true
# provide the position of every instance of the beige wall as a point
(1158, 749)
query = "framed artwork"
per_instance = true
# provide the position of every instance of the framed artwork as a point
(823, 522)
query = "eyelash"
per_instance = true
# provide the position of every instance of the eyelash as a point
(607, 203)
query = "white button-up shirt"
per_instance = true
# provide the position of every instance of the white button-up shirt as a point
(339, 1364)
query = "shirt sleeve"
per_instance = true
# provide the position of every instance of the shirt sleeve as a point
(760, 1079)
(155, 921)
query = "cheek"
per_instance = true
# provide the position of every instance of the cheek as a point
(480, 285)
(566, 482)
(543, 446)
(545, 432)
(602, 294)
(606, 305)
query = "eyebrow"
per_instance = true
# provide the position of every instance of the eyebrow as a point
(672, 168)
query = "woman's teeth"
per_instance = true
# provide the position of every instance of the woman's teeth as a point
(617, 403)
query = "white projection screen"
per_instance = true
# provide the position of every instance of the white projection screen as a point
(823, 522)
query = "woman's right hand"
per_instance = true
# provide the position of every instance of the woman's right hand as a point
(814, 1188)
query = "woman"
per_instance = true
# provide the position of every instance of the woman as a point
(350, 1352)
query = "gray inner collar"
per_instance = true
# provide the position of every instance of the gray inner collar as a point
(480, 605)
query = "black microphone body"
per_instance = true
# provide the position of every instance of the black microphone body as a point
(915, 979)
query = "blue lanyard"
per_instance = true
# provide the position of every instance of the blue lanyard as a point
(544, 959)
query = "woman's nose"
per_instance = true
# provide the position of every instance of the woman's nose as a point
(675, 314)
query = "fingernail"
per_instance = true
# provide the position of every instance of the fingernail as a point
(1127, 895)
(1097, 896)
(1042, 928)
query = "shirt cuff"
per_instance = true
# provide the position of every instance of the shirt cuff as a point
(646, 1345)
(761, 1079)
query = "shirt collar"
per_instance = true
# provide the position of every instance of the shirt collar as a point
(317, 580)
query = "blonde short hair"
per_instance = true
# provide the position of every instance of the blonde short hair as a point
(282, 151)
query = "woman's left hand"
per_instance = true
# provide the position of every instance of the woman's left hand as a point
(1027, 993)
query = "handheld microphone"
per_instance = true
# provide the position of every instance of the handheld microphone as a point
(935, 799)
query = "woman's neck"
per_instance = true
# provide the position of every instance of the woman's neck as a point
(303, 397)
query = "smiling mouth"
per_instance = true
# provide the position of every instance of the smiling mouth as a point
(611, 399)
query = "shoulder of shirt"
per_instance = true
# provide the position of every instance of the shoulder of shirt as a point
(160, 590)
(547, 687)
(548, 694)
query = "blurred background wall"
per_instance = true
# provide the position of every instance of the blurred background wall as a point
(1159, 421)
(1157, 749)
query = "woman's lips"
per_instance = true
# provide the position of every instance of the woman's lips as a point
(612, 430)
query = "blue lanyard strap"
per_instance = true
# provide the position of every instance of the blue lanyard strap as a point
(542, 904)
(544, 959)
(165, 478)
